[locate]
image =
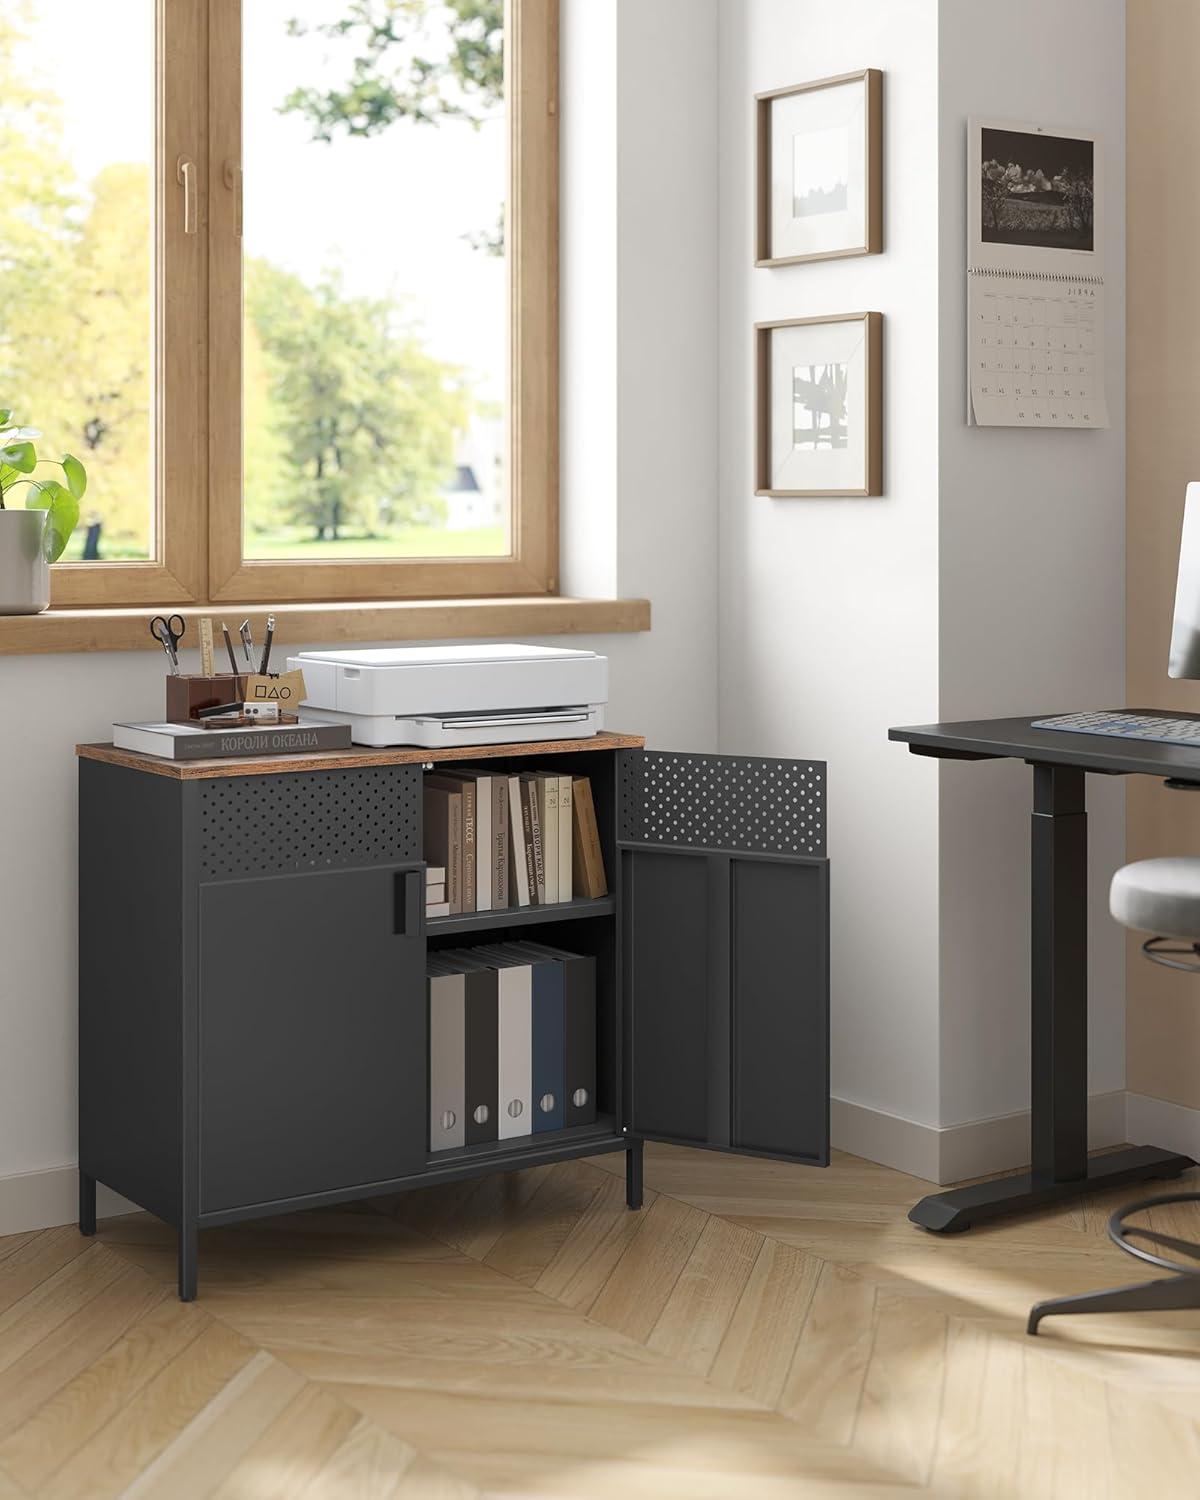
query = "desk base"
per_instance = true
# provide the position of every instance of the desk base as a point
(961, 1208)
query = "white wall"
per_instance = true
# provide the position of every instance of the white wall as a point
(588, 296)
(987, 580)
(648, 369)
(1031, 567)
(829, 608)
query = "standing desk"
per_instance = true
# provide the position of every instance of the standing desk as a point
(1058, 949)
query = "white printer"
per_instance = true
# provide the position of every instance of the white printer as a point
(440, 696)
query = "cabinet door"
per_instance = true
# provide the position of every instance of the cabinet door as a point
(725, 943)
(312, 1034)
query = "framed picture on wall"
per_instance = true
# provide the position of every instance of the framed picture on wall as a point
(819, 406)
(820, 170)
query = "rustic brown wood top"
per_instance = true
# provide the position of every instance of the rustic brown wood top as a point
(340, 760)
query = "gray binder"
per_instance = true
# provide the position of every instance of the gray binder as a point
(447, 1039)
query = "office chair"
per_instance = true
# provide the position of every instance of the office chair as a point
(1160, 896)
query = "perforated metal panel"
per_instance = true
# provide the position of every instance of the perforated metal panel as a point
(323, 820)
(723, 802)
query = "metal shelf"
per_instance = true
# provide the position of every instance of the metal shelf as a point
(521, 916)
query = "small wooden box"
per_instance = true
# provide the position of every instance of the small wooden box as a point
(186, 696)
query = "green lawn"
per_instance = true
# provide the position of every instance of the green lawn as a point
(408, 541)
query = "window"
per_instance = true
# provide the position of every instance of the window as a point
(100, 282)
(295, 305)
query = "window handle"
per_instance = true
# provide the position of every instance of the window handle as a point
(185, 172)
(231, 176)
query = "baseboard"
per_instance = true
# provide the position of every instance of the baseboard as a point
(1158, 1122)
(954, 1152)
(888, 1139)
(43, 1200)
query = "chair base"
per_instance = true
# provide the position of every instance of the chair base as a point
(1166, 1294)
(1178, 1292)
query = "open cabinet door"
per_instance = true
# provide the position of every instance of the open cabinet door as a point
(725, 952)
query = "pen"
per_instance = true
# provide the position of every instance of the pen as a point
(247, 642)
(233, 666)
(266, 656)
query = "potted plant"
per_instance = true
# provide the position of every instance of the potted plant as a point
(36, 535)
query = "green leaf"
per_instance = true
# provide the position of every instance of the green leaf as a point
(5, 416)
(20, 456)
(76, 475)
(42, 494)
(62, 515)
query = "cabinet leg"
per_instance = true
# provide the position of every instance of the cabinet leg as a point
(188, 1250)
(87, 1203)
(633, 1174)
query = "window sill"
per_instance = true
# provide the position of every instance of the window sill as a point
(308, 624)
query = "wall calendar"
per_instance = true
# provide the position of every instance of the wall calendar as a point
(1035, 281)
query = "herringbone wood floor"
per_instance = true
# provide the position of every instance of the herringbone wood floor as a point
(757, 1331)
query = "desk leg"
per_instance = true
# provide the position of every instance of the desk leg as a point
(1058, 974)
(1058, 1063)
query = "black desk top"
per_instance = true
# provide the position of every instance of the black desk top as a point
(999, 739)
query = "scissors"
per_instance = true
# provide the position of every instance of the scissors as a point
(168, 631)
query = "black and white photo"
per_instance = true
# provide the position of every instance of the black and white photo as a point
(819, 402)
(1036, 189)
(820, 168)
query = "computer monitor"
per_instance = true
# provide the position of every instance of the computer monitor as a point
(1185, 634)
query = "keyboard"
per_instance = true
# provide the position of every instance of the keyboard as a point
(1126, 726)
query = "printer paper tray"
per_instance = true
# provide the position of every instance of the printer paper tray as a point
(441, 731)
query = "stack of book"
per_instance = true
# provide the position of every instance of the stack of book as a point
(527, 839)
(436, 904)
(512, 1042)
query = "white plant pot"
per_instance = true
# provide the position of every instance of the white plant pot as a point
(24, 571)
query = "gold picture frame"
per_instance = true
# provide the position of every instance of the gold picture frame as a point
(853, 397)
(767, 252)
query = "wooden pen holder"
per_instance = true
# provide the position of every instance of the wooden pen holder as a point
(186, 696)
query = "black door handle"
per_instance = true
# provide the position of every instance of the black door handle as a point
(409, 904)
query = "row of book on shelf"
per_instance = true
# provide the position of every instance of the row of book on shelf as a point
(494, 841)
(512, 1042)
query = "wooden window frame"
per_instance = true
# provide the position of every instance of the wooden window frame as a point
(178, 571)
(197, 397)
(531, 63)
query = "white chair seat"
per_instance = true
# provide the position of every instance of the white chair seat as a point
(1161, 896)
